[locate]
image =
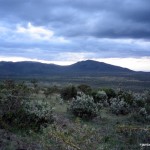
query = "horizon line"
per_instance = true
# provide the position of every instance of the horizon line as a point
(67, 63)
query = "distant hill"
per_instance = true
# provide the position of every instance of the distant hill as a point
(96, 74)
(27, 68)
(95, 66)
(40, 69)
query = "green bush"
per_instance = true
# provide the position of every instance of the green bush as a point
(38, 112)
(141, 116)
(101, 97)
(17, 109)
(110, 92)
(33, 114)
(93, 94)
(127, 96)
(35, 85)
(119, 106)
(50, 90)
(68, 93)
(12, 97)
(139, 100)
(147, 97)
(83, 106)
(141, 107)
(86, 89)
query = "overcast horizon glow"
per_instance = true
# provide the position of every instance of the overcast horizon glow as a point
(65, 31)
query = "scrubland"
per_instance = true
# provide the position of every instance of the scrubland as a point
(72, 117)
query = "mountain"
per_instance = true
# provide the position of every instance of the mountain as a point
(95, 66)
(27, 68)
(39, 69)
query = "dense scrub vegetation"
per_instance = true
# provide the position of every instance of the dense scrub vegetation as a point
(73, 117)
(18, 107)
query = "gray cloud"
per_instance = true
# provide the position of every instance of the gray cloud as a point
(100, 18)
(89, 26)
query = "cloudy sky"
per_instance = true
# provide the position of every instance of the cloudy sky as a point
(67, 31)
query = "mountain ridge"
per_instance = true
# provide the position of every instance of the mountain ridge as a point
(90, 67)
(92, 64)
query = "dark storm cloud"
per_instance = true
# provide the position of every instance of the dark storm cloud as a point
(97, 18)
(74, 29)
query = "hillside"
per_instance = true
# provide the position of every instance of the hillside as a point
(35, 68)
(95, 66)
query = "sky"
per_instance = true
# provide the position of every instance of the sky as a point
(66, 31)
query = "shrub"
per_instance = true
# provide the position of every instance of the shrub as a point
(17, 109)
(110, 92)
(127, 96)
(12, 97)
(142, 108)
(68, 93)
(83, 106)
(101, 97)
(147, 107)
(119, 106)
(38, 112)
(147, 97)
(93, 93)
(139, 100)
(50, 90)
(86, 89)
(32, 114)
(36, 87)
(143, 112)
(141, 115)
